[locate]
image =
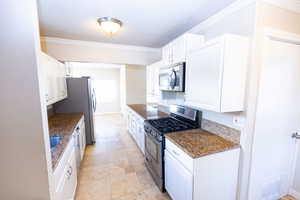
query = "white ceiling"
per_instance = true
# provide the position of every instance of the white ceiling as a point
(150, 23)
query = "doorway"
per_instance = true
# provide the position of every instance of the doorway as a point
(274, 154)
(106, 82)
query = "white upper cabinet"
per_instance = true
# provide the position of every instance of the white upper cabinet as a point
(54, 78)
(177, 50)
(216, 74)
(153, 91)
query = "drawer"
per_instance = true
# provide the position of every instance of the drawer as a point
(59, 171)
(68, 182)
(180, 155)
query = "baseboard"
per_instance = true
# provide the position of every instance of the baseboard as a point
(294, 193)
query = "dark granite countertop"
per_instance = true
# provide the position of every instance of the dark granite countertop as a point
(198, 142)
(62, 125)
(148, 111)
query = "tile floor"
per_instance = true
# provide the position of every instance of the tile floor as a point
(113, 169)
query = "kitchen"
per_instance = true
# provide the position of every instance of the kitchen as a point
(197, 108)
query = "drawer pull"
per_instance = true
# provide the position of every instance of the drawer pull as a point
(177, 154)
(69, 172)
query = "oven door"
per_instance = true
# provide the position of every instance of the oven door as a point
(153, 156)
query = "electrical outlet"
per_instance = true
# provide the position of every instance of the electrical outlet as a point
(238, 121)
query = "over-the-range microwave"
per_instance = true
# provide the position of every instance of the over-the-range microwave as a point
(172, 78)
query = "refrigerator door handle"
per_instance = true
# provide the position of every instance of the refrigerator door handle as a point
(94, 101)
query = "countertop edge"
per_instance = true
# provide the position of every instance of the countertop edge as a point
(236, 146)
(160, 113)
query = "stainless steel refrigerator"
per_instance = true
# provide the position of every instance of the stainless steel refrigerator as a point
(81, 98)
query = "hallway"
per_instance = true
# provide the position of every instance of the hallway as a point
(113, 168)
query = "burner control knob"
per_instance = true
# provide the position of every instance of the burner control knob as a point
(159, 138)
(153, 133)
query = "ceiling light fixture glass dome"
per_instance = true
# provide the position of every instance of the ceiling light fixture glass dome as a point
(110, 25)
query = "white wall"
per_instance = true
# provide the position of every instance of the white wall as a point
(135, 84)
(268, 16)
(101, 72)
(24, 139)
(83, 51)
(123, 89)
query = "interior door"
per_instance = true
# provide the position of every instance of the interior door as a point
(277, 118)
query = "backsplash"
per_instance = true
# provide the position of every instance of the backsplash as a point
(168, 98)
(221, 130)
(218, 123)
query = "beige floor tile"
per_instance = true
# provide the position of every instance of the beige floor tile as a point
(113, 168)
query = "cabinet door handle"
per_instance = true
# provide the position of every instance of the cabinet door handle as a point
(70, 171)
(177, 154)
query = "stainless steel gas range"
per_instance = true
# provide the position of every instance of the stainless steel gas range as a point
(180, 118)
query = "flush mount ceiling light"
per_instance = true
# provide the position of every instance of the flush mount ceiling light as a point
(110, 25)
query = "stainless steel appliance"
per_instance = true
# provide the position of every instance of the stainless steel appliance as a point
(172, 78)
(81, 98)
(181, 118)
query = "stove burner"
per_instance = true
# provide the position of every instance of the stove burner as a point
(165, 125)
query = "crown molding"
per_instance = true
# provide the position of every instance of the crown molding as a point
(232, 8)
(99, 44)
(292, 5)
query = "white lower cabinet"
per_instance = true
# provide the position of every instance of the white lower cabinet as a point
(178, 180)
(135, 126)
(209, 177)
(65, 174)
(67, 186)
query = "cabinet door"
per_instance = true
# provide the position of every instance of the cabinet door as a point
(149, 80)
(141, 135)
(156, 90)
(62, 88)
(179, 50)
(68, 182)
(54, 79)
(59, 80)
(44, 67)
(135, 129)
(127, 119)
(179, 181)
(130, 123)
(167, 54)
(142, 138)
(71, 179)
(204, 71)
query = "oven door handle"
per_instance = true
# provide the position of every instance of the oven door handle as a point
(150, 137)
